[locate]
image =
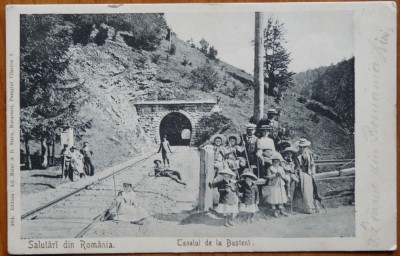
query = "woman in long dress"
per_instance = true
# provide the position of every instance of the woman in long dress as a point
(127, 209)
(303, 198)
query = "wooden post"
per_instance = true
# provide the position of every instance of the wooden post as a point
(206, 176)
(258, 67)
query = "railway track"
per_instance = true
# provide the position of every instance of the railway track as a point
(73, 212)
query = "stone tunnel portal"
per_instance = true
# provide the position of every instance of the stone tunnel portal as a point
(174, 126)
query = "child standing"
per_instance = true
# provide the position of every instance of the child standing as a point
(228, 201)
(277, 177)
(248, 195)
(164, 148)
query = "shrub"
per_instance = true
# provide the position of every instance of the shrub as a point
(101, 36)
(302, 99)
(210, 125)
(155, 58)
(184, 62)
(172, 50)
(142, 61)
(205, 78)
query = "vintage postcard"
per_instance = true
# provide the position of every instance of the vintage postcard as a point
(201, 127)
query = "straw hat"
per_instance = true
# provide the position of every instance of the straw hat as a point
(251, 126)
(303, 142)
(265, 127)
(250, 175)
(272, 111)
(289, 149)
(277, 156)
(236, 136)
(227, 171)
(218, 135)
(157, 160)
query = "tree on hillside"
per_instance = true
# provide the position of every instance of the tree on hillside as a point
(212, 53)
(204, 46)
(45, 100)
(277, 59)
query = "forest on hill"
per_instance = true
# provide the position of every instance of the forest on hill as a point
(87, 70)
(332, 86)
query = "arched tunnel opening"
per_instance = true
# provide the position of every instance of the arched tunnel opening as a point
(177, 128)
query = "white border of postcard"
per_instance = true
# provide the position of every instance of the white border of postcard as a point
(375, 133)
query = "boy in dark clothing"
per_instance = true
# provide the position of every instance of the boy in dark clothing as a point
(159, 170)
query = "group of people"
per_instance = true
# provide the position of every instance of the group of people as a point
(75, 163)
(250, 167)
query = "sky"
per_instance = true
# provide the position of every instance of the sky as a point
(314, 39)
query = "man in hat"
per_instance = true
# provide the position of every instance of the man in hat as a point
(249, 143)
(87, 159)
(159, 170)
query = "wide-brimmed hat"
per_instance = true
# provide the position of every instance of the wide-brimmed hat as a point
(157, 160)
(73, 147)
(227, 171)
(289, 149)
(251, 126)
(277, 156)
(249, 174)
(272, 111)
(265, 127)
(218, 135)
(236, 136)
(303, 142)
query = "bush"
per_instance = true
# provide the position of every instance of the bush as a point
(142, 61)
(184, 62)
(232, 89)
(172, 50)
(210, 125)
(155, 58)
(101, 36)
(302, 99)
(205, 78)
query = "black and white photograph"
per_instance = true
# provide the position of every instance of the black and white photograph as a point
(221, 130)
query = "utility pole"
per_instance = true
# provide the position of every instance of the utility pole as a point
(259, 67)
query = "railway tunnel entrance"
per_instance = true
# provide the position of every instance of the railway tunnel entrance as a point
(177, 128)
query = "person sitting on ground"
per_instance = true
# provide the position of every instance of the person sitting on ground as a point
(159, 170)
(127, 209)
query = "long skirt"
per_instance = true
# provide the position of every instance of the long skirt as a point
(250, 208)
(303, 198)
(277, 194)
(128, 212)
(226, 209)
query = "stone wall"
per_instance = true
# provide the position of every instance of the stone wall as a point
(151, 114)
